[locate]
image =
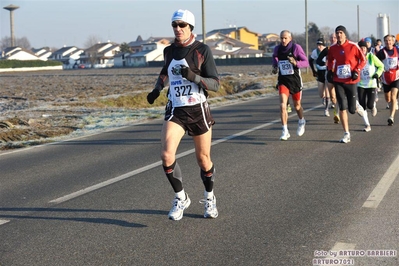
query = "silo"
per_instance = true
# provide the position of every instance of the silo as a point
(382, 26)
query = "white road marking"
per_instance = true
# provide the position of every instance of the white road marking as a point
(4, 222)
(343, 246)
(159, 163)
(382, 187)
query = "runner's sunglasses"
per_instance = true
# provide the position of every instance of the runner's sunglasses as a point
(180, 24)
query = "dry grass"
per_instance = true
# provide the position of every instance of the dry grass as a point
(44, 105)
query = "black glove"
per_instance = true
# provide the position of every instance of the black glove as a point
(355, 75)
(375, 76)
(275, 70)
(152, 96)
(314, 74)
(187, 73)
(330, 76)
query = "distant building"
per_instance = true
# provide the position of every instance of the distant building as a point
(224, 47)
(137, 46)
(68, 55)
(43, 53)
(149, 52)
(100, 55)
(267, 42)
(17, 53)
(239, 33)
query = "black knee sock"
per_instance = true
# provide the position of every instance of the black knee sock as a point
(173, 173)
(208, 178)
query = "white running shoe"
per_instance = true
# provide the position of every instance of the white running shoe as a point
(367, 128)
(390, 121)
(210, 208)
(285, 135)
(301, 127)
(176, 213)
(346, 138)
(326, 113)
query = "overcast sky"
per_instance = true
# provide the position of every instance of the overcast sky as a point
(56, 23)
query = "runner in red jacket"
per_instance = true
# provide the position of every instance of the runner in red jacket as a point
(344, 61)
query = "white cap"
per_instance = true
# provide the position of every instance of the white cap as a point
(184, 15)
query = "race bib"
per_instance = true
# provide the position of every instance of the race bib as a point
(344, 71)
(285, 67)
(365, 73)
(391, 63)
(182, 92)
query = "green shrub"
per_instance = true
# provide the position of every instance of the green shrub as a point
(27, 63)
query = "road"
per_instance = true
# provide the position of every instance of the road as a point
(103, 199)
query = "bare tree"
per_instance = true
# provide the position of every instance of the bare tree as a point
(20, 42)
(92, 40)
(23, 43)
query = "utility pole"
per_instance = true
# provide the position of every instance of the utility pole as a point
(358, 24)
(306, 32)
(11, 8)
(203, 22)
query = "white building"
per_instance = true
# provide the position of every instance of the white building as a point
(17, 53)
(68, 55)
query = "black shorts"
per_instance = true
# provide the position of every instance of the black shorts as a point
(387, 88)
(321, 76)
(195, 120)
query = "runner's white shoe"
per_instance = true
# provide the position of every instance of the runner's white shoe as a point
(390, 121)
(346, 138)
(326, 113)
(210, 208)
(285, 135)
(301, 127)
(176, 213)
(367, 128)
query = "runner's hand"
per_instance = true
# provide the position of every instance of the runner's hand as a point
(292, 60)
(375, 76)
(152, 96)
(355, 75)
(275, 70)
(187, 73)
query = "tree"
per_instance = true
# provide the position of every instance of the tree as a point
(23, 43)
(125, 48)
(92, 40)
(20, 42)
(313, 34)
(92, 54)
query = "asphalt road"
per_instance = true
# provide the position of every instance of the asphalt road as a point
(104, 200)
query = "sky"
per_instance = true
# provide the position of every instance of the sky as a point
(58, 23)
